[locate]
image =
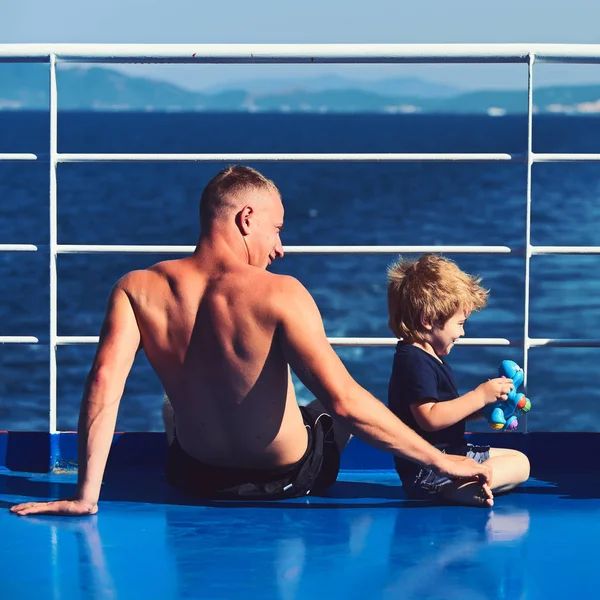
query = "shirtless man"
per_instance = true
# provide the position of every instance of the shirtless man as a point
(221, 333)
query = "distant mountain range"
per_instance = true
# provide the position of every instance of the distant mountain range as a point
(404, 86)
(25, 86)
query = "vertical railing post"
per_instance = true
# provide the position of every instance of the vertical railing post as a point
(52, 259)
(528, 222)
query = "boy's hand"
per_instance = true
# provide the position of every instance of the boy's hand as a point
(495, 389)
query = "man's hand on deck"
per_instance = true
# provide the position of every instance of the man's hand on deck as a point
(462, 467)
(64, 508)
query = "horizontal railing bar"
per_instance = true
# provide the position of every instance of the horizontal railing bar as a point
(18, 248)
(301, 53)
(584, 54)
(358, 341)
(565, 157)
(487, 342)
(391, 249)
(335, 341)
(268, 53)
(312, 157)
(324, 157)
(18, 339)
(564, 343)
(539, 250)
(397, 249)
(67, 340)
(353, 341)
(17, 156)
(292, 157)
(108, 249)
(121, 249)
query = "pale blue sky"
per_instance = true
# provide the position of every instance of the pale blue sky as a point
(316, 21)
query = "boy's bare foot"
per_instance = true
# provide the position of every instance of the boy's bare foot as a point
(469, 493)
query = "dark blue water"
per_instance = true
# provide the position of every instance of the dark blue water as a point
(326, 203)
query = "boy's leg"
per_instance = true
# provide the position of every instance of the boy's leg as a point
(510, 468)
(341, 435)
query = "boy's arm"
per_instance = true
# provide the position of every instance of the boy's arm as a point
(118, 345)
(433, 416)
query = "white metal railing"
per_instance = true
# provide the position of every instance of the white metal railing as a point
(297, 54)
(303, 53)
(17, 156)
(289, 157)
(528, 218)
(53, 201)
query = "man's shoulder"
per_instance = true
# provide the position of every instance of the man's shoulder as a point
(145, 279)
(133, 279)
(265, 281)
(285, 283)
(283, 296)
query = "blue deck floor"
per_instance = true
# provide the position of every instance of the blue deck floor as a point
(364, 540)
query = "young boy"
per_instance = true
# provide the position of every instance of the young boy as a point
(429, 301)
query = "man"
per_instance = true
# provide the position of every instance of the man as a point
(221, 333)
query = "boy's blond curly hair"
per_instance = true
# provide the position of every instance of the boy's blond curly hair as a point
(430, 289)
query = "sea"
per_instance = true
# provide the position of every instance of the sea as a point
(326, 203)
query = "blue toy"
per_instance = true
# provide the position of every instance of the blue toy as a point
(502, 415)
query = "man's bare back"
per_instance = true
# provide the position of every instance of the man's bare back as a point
(209, 332)
(221, 334)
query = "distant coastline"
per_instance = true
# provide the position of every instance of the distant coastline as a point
(100, 89)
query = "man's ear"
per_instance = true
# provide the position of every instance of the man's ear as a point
(244, 219)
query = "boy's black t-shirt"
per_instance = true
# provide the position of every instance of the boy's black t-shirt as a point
(417, 375)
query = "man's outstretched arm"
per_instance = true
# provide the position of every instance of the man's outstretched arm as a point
(317, 365)
(118, 345)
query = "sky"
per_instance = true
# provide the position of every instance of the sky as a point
(316, 21)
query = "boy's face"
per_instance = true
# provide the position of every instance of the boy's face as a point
(442, 338)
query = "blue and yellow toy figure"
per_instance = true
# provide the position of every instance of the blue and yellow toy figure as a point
(502, 415)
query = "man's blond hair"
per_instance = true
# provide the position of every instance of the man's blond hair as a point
(431, 290)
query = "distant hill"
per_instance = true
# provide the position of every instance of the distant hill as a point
(399, 86)
(25, 86)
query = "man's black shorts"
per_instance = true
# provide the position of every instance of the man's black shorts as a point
(312, 474)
